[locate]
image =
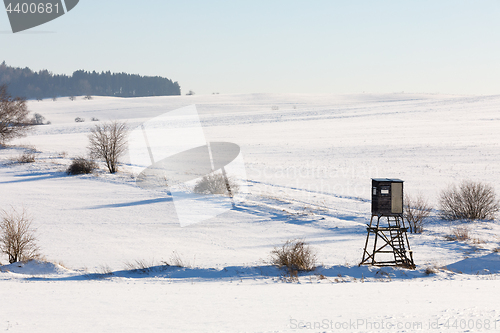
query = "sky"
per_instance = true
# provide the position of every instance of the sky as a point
(274, 46)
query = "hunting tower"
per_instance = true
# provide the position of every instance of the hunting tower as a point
(387, 241)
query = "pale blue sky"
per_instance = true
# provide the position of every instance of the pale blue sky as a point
(275, 46)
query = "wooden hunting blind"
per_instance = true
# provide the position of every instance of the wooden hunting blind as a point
(387, 196)
(387, 241)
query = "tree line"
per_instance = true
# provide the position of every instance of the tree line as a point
(44, 84)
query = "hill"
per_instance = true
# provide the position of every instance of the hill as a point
(309, 160)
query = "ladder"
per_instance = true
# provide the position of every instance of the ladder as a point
(390, 243)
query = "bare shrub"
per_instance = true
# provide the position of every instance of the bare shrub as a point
(430, 270)
(72, 98)
(416, 211)
(81, 165)
(108, 142)
(26, 157)
(88, 97)
(470, 201)
(14, 121)
(295, 255)
(215, 183)
(17, 238)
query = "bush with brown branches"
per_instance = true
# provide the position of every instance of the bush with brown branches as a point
(295, 255)
(416, 211)
(469, 201)
(81, 165)
(216, 183)
(17, 238)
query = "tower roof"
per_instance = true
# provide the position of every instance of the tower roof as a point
(392, 180)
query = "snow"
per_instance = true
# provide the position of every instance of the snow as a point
(309, 160)
(34, 267)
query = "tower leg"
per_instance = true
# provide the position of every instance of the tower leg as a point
(391, 239)
(365, 252)
(375, 243)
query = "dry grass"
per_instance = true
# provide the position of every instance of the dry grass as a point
(140, 266)
(177, 261)
(383, 275)
(295, 255)
(62, 264)
(26, 157)
(105, 270)
(459, 234)
(340, 278)
(102, 272)
(292, 276)
(478, 241)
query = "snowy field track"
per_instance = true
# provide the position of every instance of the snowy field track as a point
(309, 161)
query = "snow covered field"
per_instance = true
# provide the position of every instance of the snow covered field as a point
(309, 162)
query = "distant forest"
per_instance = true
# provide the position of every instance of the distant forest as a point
(24, 82)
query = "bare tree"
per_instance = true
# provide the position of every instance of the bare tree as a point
(108, 142)
(416, 210)
(14, 121)
(17, 238)
(469, 201)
